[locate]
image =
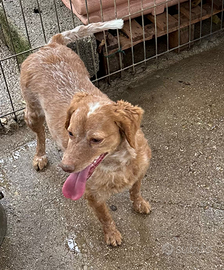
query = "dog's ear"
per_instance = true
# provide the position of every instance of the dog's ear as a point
(73, 106)
(128, 119)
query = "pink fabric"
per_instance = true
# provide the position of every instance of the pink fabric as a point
(122, 9)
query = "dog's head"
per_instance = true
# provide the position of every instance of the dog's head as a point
(95, 130)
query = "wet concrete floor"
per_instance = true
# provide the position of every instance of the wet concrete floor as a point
(184, 124)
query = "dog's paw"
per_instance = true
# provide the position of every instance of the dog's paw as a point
(141, 206)
(113, 237)
(40, 162)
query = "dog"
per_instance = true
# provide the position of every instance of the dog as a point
(104, 148)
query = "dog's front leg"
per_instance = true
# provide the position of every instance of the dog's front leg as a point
(139, 204)
(112, 235)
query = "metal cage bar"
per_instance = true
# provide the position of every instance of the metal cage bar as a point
(57, 18)
(91, 44)
(222, 15)
(9, 95)
(143, 33)
(73, 20)
(167, 26)
(132, 47)
(41, 21)
(156, 35)
(24, 20)
(118, 37)
(105, 39)
(11, 39)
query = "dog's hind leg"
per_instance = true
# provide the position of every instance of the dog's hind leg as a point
(139, 204)
(35, 118)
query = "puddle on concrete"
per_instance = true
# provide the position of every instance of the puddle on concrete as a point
(18, 152)
(72, 245)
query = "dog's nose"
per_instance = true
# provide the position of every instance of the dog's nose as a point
(67, 168)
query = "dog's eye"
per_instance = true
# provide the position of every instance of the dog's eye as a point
(70, 134)
(95, 141)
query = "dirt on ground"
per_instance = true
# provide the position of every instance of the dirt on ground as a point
(184, 124)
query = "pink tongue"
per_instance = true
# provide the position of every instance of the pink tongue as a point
(74, 186)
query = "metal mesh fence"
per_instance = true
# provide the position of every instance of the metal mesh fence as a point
(152, 28)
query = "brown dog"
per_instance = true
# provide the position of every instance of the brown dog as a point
(102, 140)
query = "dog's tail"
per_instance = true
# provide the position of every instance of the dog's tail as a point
(83, 31)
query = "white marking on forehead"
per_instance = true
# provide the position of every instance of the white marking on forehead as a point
(93, 107)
